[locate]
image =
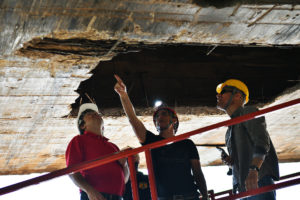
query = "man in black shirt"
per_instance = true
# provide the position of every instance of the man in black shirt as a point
(177, 168)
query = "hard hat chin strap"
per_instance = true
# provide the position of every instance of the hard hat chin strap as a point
(234, 91)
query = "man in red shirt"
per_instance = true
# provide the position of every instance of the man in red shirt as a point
(105, 182)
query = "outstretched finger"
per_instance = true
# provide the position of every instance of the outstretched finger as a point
(119, 80)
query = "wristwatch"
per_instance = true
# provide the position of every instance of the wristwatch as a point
(253, 167)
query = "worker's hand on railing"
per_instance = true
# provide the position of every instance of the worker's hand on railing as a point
(123, 161)
(226, 159)
(95, 195)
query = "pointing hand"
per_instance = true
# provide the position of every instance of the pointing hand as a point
(120, 87)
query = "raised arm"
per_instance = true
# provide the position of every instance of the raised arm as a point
(138, 127)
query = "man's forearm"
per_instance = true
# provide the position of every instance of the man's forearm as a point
(126, 172)
(80, 182)
(199, 177)
(127, 106)
(138, 127)
(202, 185)
(257, 161)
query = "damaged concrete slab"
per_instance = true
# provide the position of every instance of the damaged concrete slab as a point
(54, 52)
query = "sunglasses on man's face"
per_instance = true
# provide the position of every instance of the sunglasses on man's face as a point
(226, 90)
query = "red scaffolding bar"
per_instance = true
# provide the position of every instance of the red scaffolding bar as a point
(230, 195)
(132, 170)
(262, 189)
(126, 153)
(151, 175)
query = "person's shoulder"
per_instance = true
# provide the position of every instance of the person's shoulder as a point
(75, 141)
(76, 138)
(79, 139)
(151, 137)
(187, 142)
(115, 146)
(150, 134)
(141, 175)
(249, 109)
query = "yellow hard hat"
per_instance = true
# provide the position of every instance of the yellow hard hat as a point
(237, 84)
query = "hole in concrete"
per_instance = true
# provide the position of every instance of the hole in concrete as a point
(186, 75)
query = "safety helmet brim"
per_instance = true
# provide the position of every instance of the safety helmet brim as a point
(84, 107)
(237, 84)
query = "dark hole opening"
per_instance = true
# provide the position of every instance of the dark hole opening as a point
(187, 75)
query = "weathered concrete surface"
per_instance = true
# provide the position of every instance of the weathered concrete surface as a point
(148, 22)
(38, 79)
(35, 129)
(33, 122)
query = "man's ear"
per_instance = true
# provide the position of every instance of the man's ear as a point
(174, 120)
(239, 97)
(82, 126)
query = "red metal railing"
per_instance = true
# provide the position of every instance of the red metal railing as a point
(134, 188)
(129, 153)
(228, 195)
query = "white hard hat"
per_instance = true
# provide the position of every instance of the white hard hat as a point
(84, 107)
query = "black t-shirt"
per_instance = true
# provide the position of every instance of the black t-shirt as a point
(172, 166)
(143, 188)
